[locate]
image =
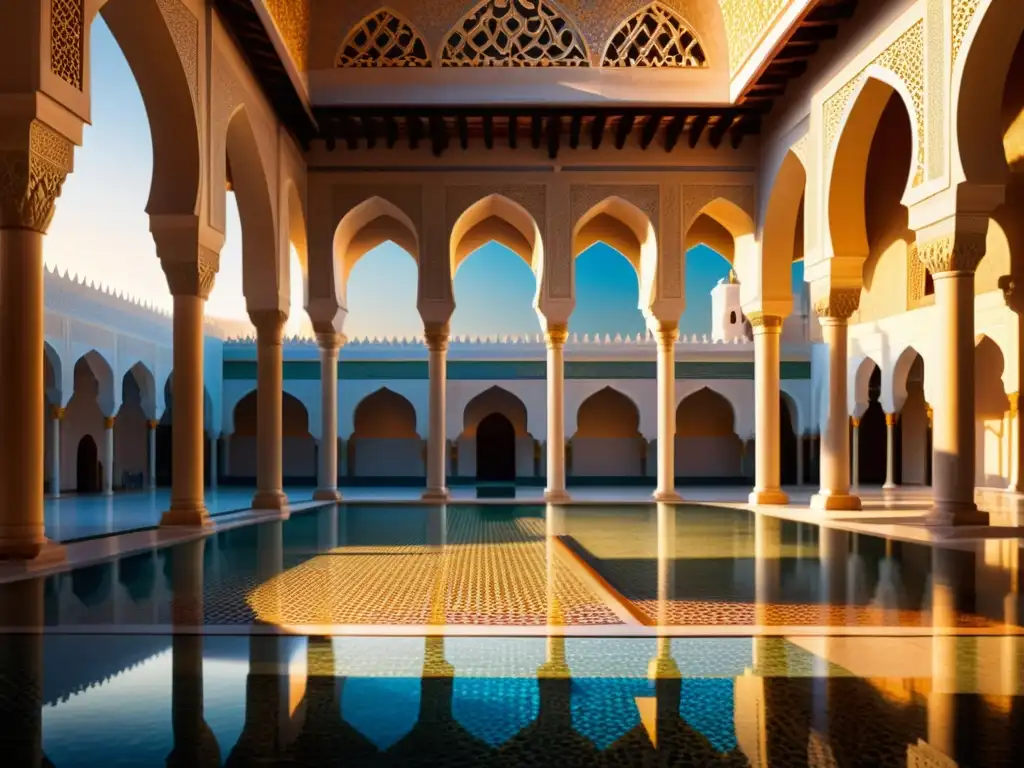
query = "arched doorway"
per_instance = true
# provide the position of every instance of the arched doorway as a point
(787, 443)
(707, 446)
(496, 450)
(88, 466)
(873, 438)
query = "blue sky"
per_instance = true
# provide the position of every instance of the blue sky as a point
(101, 231)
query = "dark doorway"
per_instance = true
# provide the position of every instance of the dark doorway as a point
(496, 450)
(872, 435)
(88, 465)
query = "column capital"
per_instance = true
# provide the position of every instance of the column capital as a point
(930, 414)
(836, 306)
(190, 277)
(436, 336)
(58, 412)
(667, 334)
(891, 419)
(951, 253)
(331, 342)
(32, 174)
(152, 423)
(108, 422)
(854, 422)
(762, 322)
(556, 335)
(269, 325)
(1014, 398)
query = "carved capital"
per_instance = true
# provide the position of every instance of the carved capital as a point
(152, 423)
(193, 278)
(556, 335)
(57, 412)
(32, 176)
(891, 419)
(1014, 398)
(930, 414)
(838, 304)
(269, 326)
(955, 252)
(667, 334)
(759, 321)
(331, 342)
(108, 422)
(436, 335)
(854, 422)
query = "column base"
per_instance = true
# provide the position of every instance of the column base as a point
(274, 500)
(188, 515)
(556, 497)
(667, 496)
(890, 487)
(770, 497)
(955, 513)
(835, 502)
(662, 668)
(327, 494)
(436, 495)
(31, 553)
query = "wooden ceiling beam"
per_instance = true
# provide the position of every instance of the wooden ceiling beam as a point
(513, 130)
(536, 130)
(438, 134)
(554, 135)
(597, 130)
(462, 124)
(674, 131)
(718, 130)
(489, 130)
(696, 129)
(623, 129)
(650, 129)
(575, 124)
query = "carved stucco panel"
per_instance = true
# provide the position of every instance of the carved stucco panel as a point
(935, 82)
(67, 41)
(583, 197)
(184, 29)
(532, 197)
(963, 13)
(408, 198)
(670, 252)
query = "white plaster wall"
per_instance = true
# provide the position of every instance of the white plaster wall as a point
(606, 457)
(298, 456)
(708, 457)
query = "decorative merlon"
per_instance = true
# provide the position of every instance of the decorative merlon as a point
(575, 339)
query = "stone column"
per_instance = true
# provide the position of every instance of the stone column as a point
(556, 336)
(190, 280)
(767, 383)
(890, 451)
(151, 425)
(55, 422)
(269, 398)
(1013, 428)
(327, 484)
(667, 333)
(952, 260)
(833, 311)
(855, 449)
(800, 459)
(108, 455)
(36, 160)
(436, 335)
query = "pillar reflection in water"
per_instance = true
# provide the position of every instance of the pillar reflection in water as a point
(194, 742)
(767, 582)
(327, 528)
(269, 565)
(21, 673)
(663, 665)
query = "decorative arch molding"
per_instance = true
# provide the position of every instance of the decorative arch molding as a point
(523, 208)
(900, 65)
(655, 36)
(108, 395)
(384, 39)
(364, 226)
(723, 202)
(495, 399)
(896, 386)
(862, 373)
(514, 33)
(146, 382)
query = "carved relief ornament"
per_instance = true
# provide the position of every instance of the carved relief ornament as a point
(838, 304)
(959, 252)
(193, 278)
(67, 41)
(31, 178)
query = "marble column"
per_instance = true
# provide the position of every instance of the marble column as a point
(437, 343)
(151, 426)
(855, 449)
(108, 455)
(555, 337)
(952, 260)
(190, 281)
(890, 451)
(767, 384)
(834, 494)
(327, 483)
(666, 334)
(55, 449)
(269, 399)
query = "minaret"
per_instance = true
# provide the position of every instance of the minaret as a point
(727, 319)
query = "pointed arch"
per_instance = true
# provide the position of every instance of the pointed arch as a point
(363, 228)
(607, 441)
(707, 445)
(262, 282)
(860, 391)
(901, 375)
(608, 413)
(53, 372)
(783, 215)
(384, 414)
(705, 413)
(989, 392)
(500, 35)
(384, 441)
(986, 44)
(384, 38)
(103, 372)
(726, 215)
(495, 399)
(294, 234)
(168, 82)
(846, 196)
(502, 220)
(624, 227)
(655, 36)
(146, 383)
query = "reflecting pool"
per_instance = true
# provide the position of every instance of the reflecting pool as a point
(521, 635)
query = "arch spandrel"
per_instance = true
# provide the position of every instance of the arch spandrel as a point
(109, 392)
(895, 378)
(860, 374)
(767, 285)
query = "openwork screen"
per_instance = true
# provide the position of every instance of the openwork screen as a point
(514, 33)
(383, 40)
(654, 37)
